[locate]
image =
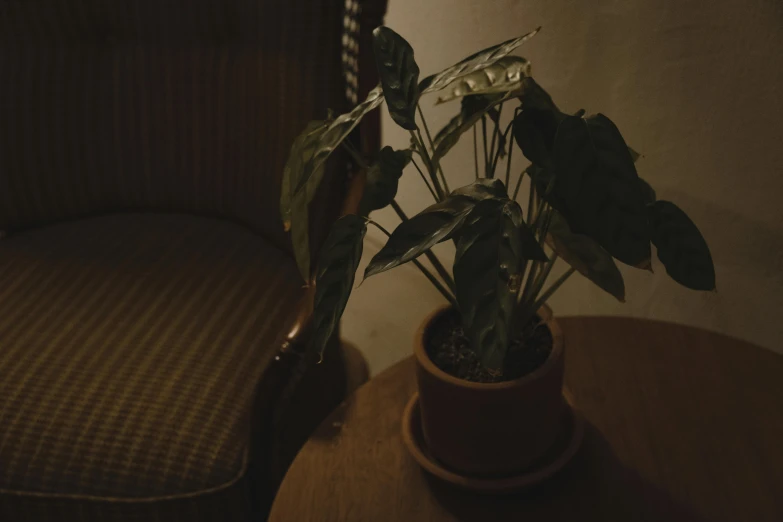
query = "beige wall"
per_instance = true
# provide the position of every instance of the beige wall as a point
(693, 85)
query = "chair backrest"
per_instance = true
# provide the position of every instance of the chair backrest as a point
(172, 105)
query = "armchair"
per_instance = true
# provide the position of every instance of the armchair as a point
(152, 319)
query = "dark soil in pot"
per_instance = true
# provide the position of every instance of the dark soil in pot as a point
(449, 349)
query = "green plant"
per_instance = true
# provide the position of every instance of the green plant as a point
(586, 204)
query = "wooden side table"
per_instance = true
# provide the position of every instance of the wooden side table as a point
(683, 424)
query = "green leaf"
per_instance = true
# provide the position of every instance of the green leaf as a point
(536, 126)
(531, 249)
(598, 190)
(681, 247)
(483, 188)
(399, 75)
(294, 205)
(383, 178)
(586, 256)
(415, 236)
(504, 75)
(300, 236)
(302, 151)
(472, 63)
(473, 107)
(334, 134)
(339, 259)
(648, 192)
(487, 266)
(530, 133)
(436, 223)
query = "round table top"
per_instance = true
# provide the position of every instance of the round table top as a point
(682, 424)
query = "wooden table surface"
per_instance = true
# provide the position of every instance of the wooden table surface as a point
(683, 424)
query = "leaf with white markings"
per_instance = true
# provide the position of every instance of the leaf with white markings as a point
(472, 63)
(505, 75)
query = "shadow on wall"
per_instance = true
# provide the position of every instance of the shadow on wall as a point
(748, 256)
(734, 238)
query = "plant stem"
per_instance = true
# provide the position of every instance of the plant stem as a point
(530, 197)
(428, 164)
(534, 283)
(492, 153)
(432, 147)
(475, 149)
(486, 155)
(531, 276)
(537, 223)
(508, 168)
(547, 221)
(505, 141)
(519, 185)
(541, 279)
(424, 122)
(522, 275)
(434, 280)
(552, 289)
(442, 272)
(424, 178)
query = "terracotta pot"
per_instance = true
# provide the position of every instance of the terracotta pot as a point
(491, 429)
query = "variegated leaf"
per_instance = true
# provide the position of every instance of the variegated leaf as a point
(502, 76)
(335, 133)
(436, 223)
(418, 234)
(472, 63)
(487, 268)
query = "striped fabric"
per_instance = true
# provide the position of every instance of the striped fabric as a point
(186, 105)
(131, 347)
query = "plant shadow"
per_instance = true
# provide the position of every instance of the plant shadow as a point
(595, 485)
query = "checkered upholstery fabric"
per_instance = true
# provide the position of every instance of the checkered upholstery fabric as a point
(131, 347)
(131, 344)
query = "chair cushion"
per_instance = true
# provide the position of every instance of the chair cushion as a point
(131, 347)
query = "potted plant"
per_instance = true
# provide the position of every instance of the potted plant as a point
(490, 363)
